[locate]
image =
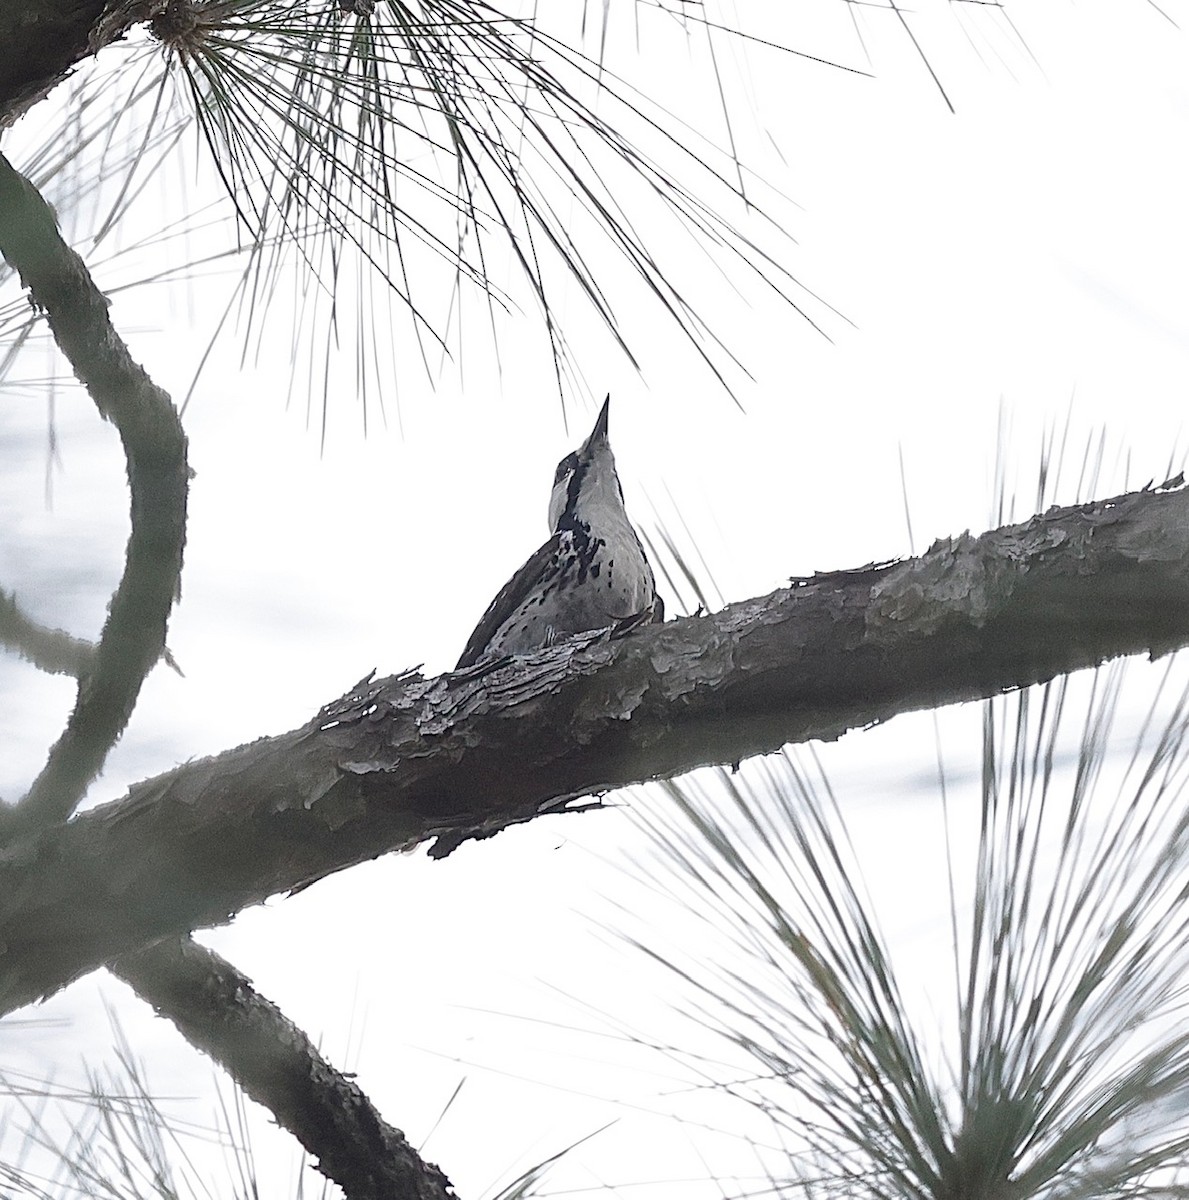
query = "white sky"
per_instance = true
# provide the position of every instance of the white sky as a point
(1029, 248)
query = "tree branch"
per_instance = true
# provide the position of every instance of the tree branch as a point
(401, 760)
(51, 650)
(210, 1002)
(155, 448)
(44, 40)
(219, 1012)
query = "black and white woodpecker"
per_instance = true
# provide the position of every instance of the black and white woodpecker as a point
(591, 574)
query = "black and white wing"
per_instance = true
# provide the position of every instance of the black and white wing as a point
(509, 598)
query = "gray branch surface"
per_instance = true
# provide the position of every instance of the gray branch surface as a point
(158, 478)
(218, 1011)
(401, 760)
(51, 650)
(206, 997)
(44, 40)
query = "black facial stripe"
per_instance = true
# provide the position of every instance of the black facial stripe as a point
(569, 513)
(567, 464)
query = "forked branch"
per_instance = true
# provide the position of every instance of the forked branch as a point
(206, 997)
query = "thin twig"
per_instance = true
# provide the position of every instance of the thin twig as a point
(50, 650)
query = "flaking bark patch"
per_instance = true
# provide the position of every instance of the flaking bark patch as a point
(407, 759)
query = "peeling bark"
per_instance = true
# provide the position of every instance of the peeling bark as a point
(400, 760)
(207, 998)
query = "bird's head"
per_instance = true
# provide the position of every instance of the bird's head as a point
(586, 481)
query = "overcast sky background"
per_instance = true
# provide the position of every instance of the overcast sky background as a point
(1012, 265)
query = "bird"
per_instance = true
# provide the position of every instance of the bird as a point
(592, 573)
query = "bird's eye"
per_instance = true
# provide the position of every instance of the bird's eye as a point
(564, 467)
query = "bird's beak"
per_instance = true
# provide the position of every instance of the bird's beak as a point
(600, 429)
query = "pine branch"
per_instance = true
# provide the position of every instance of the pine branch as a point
(405, 759)
(42, 40)
(212, 1004)
(133, 637)
(51, 650)
(219, 1012)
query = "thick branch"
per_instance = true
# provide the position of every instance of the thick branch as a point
(44, 40)
(219, 1012)
(404, 759)
(207, 999)
(155, 447)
